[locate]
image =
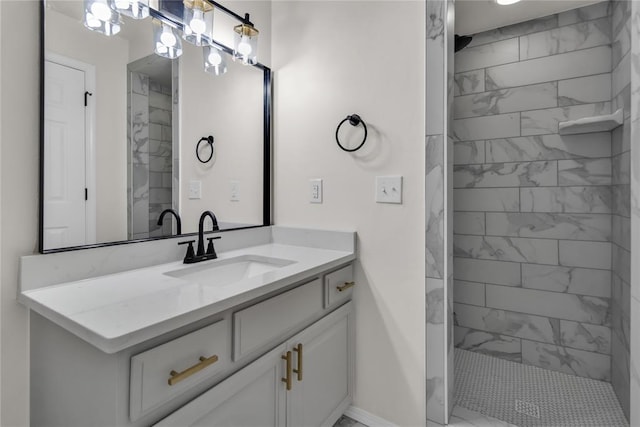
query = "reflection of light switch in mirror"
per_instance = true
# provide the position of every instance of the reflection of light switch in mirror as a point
(195, 189)
(389, 189)
(234, 189)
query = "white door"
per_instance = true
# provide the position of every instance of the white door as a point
(64, 157)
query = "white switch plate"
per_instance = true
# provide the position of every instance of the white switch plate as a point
(234, 190)
(389, 189)
(195, 189)
(315, 188)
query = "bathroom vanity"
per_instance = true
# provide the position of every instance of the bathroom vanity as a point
(261, 336)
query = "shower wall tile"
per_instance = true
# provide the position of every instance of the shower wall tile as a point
(584, 90)
(549, 304)
(548, 225)
(576, 362)
(564, 39)
(620, 199)
(501, 52)
(584, 172)
(622, 41)
(514, 249)
(621, 75)
(469, 223)
(509, 323)
(621, 260)
(469, 152)
(586, 62)
(572, 280)
(540, 122)
(487, 199)
(139, 83)
(621, 139)
(595, 199)
(620, 373)
(155, 131)
(582, 14)
(548, 147)
(434, 198)
(469, 82)
(620, 230)
(584, 336)
(621, 165)
(468, 292)
(487, 127)
(585, 254)
(530, 174)
(491, 344)
(531, 97)
(503, 273)
(515, 30)
(160, 100)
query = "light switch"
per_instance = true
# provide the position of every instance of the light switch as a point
(234, 190)
(315, 187)
(195, 189)
(389, 189)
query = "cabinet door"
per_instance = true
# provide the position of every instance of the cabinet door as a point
(327, 368)
(253, 397)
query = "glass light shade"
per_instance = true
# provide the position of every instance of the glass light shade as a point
(245, 46)
(198, 22)
(99, 17)
(136, 9)
(166, 40)
(214, 60)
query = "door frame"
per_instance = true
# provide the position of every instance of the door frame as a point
(89, 142)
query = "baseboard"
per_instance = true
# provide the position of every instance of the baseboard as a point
(367, 418)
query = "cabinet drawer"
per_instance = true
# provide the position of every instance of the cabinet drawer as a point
(264, 322)
(338, 288)
(187, 360)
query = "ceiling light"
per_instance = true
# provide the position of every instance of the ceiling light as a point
(506, 2)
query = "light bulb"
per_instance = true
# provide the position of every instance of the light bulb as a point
(244, 48)
(506, 2)
(122, 4)
(92, 21)
(214, 58)
(167, 38)
(197, 23)
(160, 48)
(101, 11)
(135, 8)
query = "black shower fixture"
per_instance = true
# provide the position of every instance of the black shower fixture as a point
(461, 42)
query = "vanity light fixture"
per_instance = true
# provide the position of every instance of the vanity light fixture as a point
(246, 42)
(167, 43)
(506, 2)
(214, 61)
(101, 18)
(136, 9)
(197, 22)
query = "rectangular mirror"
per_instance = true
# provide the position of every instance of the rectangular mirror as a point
(125, 135)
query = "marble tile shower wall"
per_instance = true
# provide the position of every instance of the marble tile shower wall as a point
(533, 209)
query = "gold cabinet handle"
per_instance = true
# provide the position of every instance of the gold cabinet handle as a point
(176, 377)
(298, 349)
(287, 378)
(346, 286)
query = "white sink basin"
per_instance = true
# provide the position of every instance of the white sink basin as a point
(229, 271)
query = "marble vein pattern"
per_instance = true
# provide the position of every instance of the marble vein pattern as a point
(620, 199)
(435, 206)
(510, 100)
(584, 90)
(486, 55)
(548, 225)
(487, 271)
(620, 230)
(468, 152)
(621, 30)
(523, 174)
(584, 336)
(582, 14)
(515, 249)
(584, 172)
(578, 308)
(566, 39)
(487, 127)
(620, 76)
(435, 67)
(515, 30)
(593, 199)
(580, 63)
(621, 168)
(585, 254)
(572, 280)
(621, 263)
(487, 199)
(488, 343)
(539, 122)
(548, 147)
(571, 361)
(468, 82)
(469, 223)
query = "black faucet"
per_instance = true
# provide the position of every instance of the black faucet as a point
(178, 221)
(200, 251)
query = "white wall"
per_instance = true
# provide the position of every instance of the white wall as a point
(19, 142)
(337, 58)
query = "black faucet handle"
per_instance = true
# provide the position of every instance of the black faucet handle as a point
(190, 257)
(211, 251)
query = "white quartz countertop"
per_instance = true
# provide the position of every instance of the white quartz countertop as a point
(117, 311)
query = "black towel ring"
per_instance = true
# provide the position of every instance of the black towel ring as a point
(354, 120)
(209, 140)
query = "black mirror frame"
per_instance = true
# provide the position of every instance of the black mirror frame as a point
(267, 176)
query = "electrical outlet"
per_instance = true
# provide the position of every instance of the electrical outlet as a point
(315, 195)
(195, 189)
(389, 189)
(234, 190)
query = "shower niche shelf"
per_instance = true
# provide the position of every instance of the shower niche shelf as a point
(603, 123)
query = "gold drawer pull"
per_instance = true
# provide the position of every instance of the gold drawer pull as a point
(176, 377)
(346, 286)
(287, 379)
(298, 349)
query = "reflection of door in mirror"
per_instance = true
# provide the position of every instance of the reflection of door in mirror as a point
(68, 133)
(152, 146)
